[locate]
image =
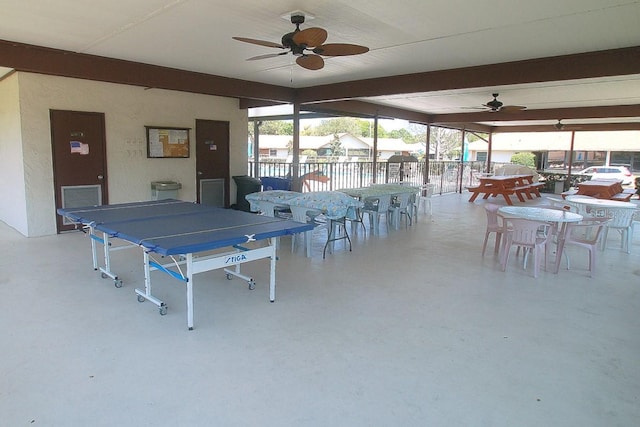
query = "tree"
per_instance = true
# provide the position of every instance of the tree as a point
(447, 142)
(366, 129)
(276, 127)
(336, 146)
(524, 158)
(405, 135)
(337, 126)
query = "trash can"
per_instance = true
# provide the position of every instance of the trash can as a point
(246, 185)
(275, 183)
(164, 190)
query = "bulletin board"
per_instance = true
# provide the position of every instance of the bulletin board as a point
(167, 142)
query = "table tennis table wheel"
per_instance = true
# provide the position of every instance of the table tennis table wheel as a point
(229, 276)
(117, 283)
(252, 284)
(162, 310)
(141, 298)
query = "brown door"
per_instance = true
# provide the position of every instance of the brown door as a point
(212, 162)
(79, 160)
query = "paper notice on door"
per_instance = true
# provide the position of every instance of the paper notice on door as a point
(79, 147)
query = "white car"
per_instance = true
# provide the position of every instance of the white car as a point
(620, 173)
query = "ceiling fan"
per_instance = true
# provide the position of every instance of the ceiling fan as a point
(562, 126)
(306, 45)
(494, 105)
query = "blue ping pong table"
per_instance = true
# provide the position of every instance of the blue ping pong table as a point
(184, 232)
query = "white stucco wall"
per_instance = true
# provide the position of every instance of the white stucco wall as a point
(13, 203)
(127, 110)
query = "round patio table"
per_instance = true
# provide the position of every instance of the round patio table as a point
(560, 217)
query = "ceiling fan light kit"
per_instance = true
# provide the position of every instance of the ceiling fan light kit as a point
(306, 45)
(494, 105)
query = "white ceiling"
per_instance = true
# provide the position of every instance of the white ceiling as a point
(407, 36)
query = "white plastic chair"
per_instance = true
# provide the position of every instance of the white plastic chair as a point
(495, 224)
(585, 234)
(622, 221)
(532, 236)
(423, 199)
(309, 216)
(401, 207)
(375, 207)
(636, 221)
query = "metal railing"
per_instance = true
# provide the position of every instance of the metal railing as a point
(447, 176)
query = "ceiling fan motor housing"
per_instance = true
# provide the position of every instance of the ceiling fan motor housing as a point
(494, 104)
(287, 39)
(297, 19)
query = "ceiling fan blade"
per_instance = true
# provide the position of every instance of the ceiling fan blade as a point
(259, 42)
(268, 55)
(310, 37)
(310, 62)
(340, 49)
(512, 108)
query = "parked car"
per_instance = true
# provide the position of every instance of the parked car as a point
(620, 173)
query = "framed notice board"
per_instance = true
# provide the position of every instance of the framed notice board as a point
(167, 142)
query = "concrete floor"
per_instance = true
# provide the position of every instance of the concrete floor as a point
(412, 328)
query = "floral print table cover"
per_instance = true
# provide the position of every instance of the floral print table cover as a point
(333, 204)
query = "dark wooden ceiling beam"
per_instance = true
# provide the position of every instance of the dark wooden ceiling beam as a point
(542, 114)
(605, 63)
(585, 127)
(469, 127)
(367, 109)
(23, 57)
(36, 59)
(246, 103)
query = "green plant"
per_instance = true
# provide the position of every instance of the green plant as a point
(525, 159)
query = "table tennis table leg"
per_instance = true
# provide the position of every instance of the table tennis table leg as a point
(106, 271)
(272, 273)
(145, 295)
(106, 246)
(190, 291)
(94, 253)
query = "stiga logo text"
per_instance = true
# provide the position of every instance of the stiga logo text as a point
(235, 259)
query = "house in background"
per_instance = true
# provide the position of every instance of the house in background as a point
(621, 148)
(353, 148)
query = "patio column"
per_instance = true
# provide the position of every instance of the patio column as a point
(461, 164)
(425, 178)
(375, 149)
(489, 149)
(570, 163)
(295, 166)
(256, 148)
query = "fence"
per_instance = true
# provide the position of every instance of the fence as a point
(447, 176)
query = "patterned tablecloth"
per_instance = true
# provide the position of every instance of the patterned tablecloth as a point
(333, 204)
(379, 190)
(266, 201)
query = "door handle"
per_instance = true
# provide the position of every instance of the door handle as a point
(199, 173)
(100, 177)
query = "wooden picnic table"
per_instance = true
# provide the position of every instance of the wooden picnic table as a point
(506, 185)
(603, 189)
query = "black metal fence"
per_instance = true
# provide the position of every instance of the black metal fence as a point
(447, 176)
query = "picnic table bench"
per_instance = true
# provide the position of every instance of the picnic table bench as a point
(506, 186)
